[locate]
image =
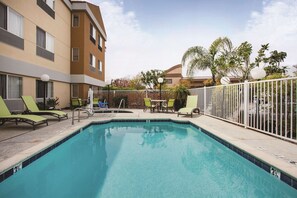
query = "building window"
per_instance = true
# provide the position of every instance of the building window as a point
(92, 33)
(3, 84)
(168, 81)
(75, 20)
(92, 60)
(14, 86)
(40, 89)
(3, 16)
(40, 38)
(74, 90)
(44, 40)
(11, 86)
(11, 21)
(75, 54)
(44, 44)
(47, 6)
(99, 66)
(99, 42)
(50, 3)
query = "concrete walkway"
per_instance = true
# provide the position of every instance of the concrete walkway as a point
(18, 143)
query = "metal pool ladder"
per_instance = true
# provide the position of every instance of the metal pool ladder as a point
(79, 109)
(122, 103)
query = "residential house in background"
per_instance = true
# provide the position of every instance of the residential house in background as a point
(50, 37)
(173, 75)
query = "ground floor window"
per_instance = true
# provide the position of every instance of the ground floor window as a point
(3, 86)
(11, 86)
(49, 89)
(74, 90)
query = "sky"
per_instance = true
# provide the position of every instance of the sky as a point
(153, 34)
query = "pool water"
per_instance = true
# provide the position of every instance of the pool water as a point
(139, 159)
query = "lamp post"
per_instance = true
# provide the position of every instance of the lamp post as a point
(224, 81)
(160, 81)
(44, 78)
(257, 73)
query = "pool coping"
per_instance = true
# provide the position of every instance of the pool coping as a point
(54, 142)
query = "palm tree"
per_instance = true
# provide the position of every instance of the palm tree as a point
(199, 58)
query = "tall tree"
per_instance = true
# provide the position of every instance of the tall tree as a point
(239, 63)
(150, 78)
(272, 62)
(199, 58)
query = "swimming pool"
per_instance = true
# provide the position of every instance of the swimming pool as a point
(143, 159)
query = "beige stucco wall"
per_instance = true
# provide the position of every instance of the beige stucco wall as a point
(62, 91)
(59, 28)
(29, 86)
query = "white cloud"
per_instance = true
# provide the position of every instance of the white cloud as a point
(276, 25)
(131, 50)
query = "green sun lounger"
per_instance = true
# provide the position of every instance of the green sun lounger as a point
(5, 116)
(191, 106)
(33, 109)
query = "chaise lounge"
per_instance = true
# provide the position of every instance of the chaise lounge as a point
(191, 106)
(33, 109)
(6, 116)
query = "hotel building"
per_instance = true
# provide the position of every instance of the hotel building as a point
(61, 38)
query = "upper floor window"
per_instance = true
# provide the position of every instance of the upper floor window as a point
(11, 86)
(99, 42)
(75, 20)
(75, 54)
(99, 66)
(47, 6)
(44, 40)
(50, 3)
(11, 21)
(92, 60)
(92, 33)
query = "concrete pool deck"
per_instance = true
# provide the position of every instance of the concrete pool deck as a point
(18, 143)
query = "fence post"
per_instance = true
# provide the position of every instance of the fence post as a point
(245, 103)
(204, 95)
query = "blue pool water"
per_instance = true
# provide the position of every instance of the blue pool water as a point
(138, 159)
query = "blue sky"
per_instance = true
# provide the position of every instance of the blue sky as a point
(154, 34)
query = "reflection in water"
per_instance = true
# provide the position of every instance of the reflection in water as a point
(142, 160)
(75, 169)
(154, 136)
(218, 166)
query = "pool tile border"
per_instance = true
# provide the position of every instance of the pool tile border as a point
(284, 177)
(291, 181)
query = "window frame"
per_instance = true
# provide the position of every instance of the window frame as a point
(7, 22)
(100, 66)
(92, 33)
(73, 87)
(48, 50)
(100, 42)
(72, 54)
(43, 45)
(92, 61)
(78, 20)
(49, 89)
(7, 89)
